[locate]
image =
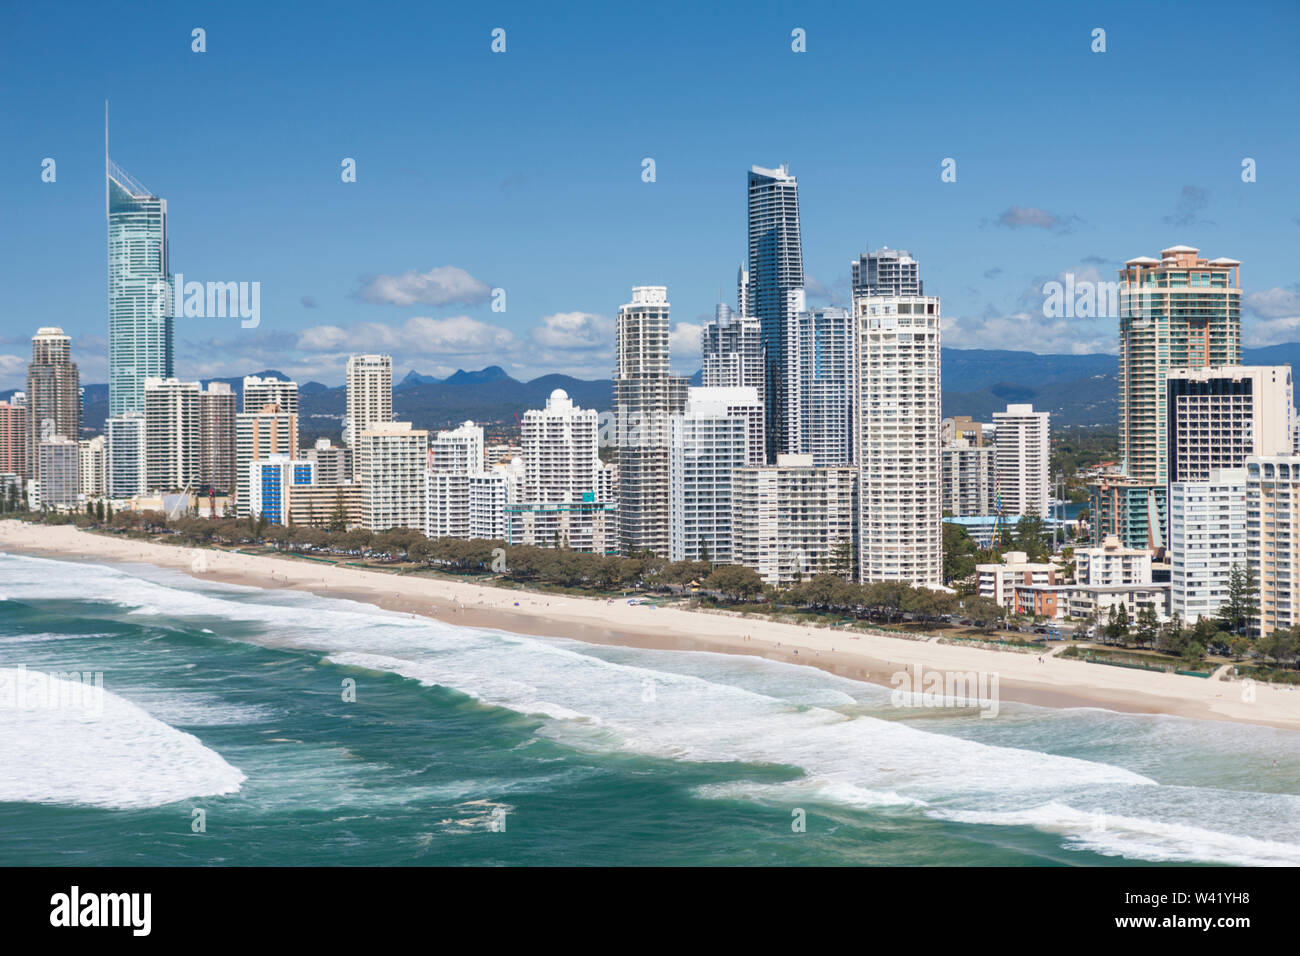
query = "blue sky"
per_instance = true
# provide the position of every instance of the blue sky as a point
(522, 170)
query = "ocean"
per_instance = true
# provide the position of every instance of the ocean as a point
(223, 735)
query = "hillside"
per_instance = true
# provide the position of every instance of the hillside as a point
(1076, 389)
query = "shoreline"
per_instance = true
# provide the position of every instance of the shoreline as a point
(1021, 677)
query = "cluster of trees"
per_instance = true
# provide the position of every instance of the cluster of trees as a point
(561, 567)
(888, 601)
(961, 553)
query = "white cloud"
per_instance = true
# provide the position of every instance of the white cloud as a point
(684, 346)
(443, 285)
(575, 330)
(460, 335)
(1276, 314)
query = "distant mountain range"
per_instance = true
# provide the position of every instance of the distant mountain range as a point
(1076, 389)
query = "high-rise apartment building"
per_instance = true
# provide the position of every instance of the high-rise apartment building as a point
(217, 438)
(1022, 438)
(271, 483)
(821, 363)
(369, 394)
(92, 466)
(391, 464)
(171, 409)
(127, 455)
(53, 389)
(732, 351)
(793, 520)
(333, 462)
(259, 392)
(260, 434)
(775, 270)
(558, 502)
(1178, 311)
(491, 492)
(969, 482)
(1219, 417)
(897, 388)
(140, 321)
(15, 455)
(1273, 538)
(720, 430)
(57, 463)
(454, 456)
(886, 272)
(1133, 511)
(646, 396)
(1207, 539)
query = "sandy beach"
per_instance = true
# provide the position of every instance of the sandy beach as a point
(1023, 677)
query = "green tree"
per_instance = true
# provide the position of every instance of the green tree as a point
(959, 552)
(1117, 624)
(1148, 626)
(1031, 536)
(1239, 611)
(735, 582)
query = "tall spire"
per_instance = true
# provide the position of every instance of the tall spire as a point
(105, 159)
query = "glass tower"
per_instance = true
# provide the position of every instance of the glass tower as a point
(775, 271)
(140, 334)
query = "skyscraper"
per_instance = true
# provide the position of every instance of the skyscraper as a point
(391, 467)
(127, 464)
(1178, 311)
(1273, 538)
(15, 455)
(1219, 417)
(1023, 442)
(260, 434)
(53, 389)
(217, 438)
(886, 272)
(646, 395)
(140, 332)
(822, 359)
(897, 385)
(710, 439)
(558, 493)
(732, 351)
(1207, 539)
(259, 392)
(369, 394)
(171, 409)
(454, 455)
(775, 270)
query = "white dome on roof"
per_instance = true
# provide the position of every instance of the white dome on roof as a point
(559, 395)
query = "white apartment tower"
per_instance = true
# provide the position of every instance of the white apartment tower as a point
(897, 385)
(127, 455)
(793, 520)
(1273, 538)
(821, 366)
(171, 410)
(259, 392)
(731, 347)
(557, 500)
(646, 396)
(720, 430)
(391, 465)
(1022, 438)
(454, 456)
(92, 466)
(369, 394)
(1207, 539)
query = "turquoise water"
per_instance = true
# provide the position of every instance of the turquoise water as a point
(229, 700)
